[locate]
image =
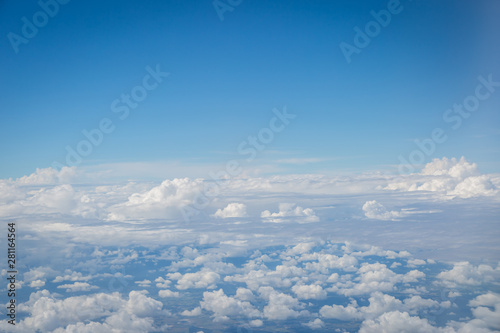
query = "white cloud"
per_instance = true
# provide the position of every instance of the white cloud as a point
(290, 211)
(224, 306)
(89, 313)
(143, 283)
(256, 323)
(280, 306)
(201, 279)
(232, 210)
(449, 177)
(141, 305)
(486, 310)
(162, 201)
(309, 291)
(375, 277)
(77, 286)
(70, 275)
(49, 176)
(37, 284)
(475, 186)
(397, 322)
(301, 248)
(415, 262)
(349, 312)
(359, 250)
(379, 304)
(315, 324)
(192, 313)
(162, 283)
(464, 273)
(244, 294)
(281, 276)
(38, 273)
(168, 293)
(375, 210)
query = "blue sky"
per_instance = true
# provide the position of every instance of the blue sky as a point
(226, 77)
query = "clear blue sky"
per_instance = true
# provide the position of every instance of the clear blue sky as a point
(226, 77)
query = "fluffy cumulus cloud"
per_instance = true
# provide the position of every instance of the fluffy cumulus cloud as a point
(397, 322)
(280, 306)
(315, 324)
(37, 284)
(464, 273)
(168, 293)
(77, 286)
(192, 313)
(290, 211)
(223, 306)
(309, 291)
(375, 277)
(450, 177)
(162, 201)
(375, 210)
(89, 313)
(62, 199)
(379, 304)
(202, 279)
(50, 176)
(486, 311)
(232, 210)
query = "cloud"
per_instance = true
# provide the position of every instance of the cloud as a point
(162, 283)
(464, 273)
(309, 291)
(379, 304)
(374, 210)
(202, 279)
(374, 277)
(290, 211)
(449, 177)
(280, 306)
(315, 324)
(256, 323)
(143, 283)
(486, 310)
(223, 306)
(232, 210)
(280, 277)
(324, 262)
(168, 293)
(396, 322)
(363, 250)
(162, 201)
(39, 273)
(37, 284)
(192, 313)
(49, 176)
(90, 313)
(71, 276)
(475, 186)
(244, 294)
(416, 262)
(77, 286)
